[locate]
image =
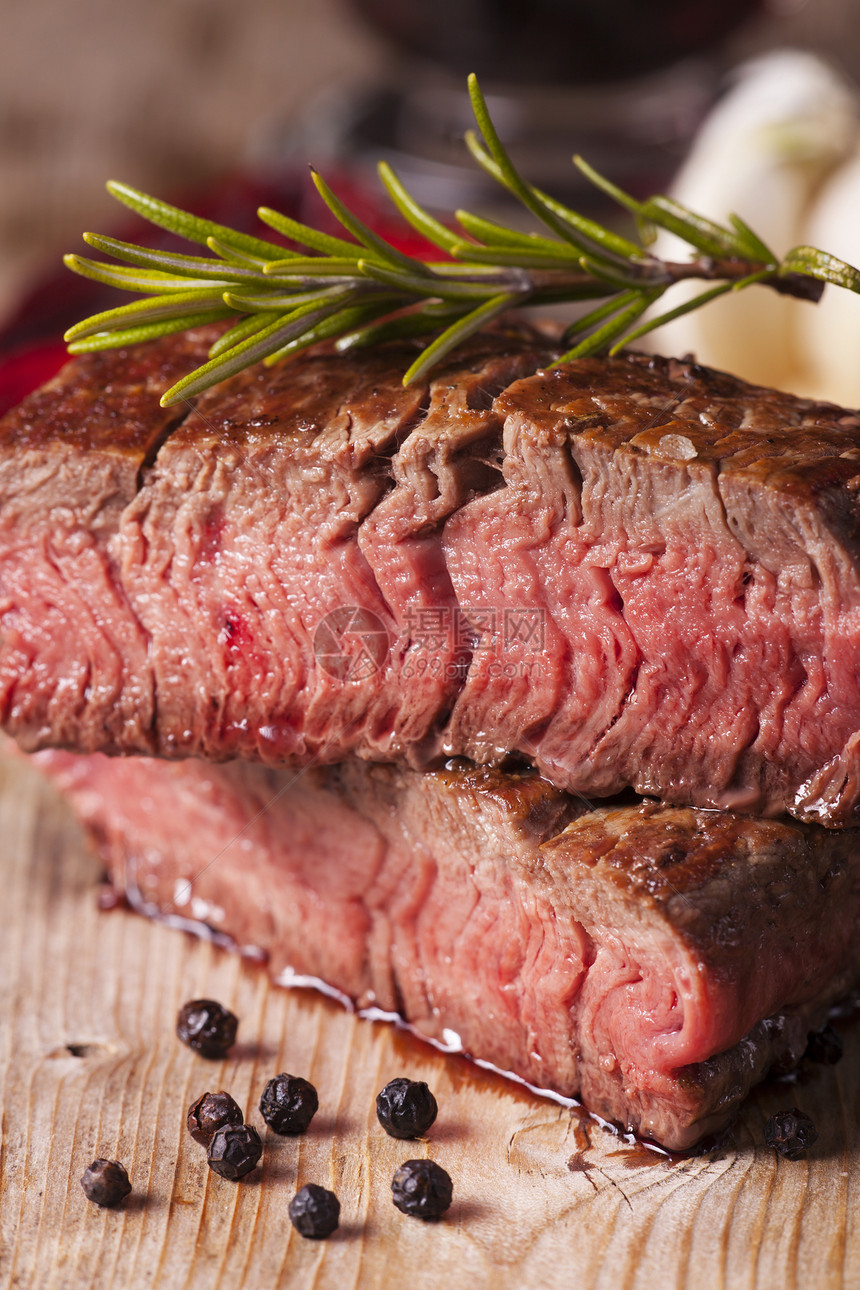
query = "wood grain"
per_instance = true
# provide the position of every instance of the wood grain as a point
(544, 1197)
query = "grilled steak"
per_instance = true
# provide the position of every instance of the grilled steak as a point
(631, 572)
(654, 960)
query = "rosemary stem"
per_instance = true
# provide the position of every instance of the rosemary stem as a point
(358, 289)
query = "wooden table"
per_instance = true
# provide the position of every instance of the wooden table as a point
(544, 1197)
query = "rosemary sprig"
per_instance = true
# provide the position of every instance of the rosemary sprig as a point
(359, 290)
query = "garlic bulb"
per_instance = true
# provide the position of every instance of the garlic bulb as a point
(829, 335)
(788, 121)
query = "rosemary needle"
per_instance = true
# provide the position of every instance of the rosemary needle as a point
(359, 289)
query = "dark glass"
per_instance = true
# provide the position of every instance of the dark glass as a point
(560, 42)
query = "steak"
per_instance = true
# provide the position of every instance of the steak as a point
(631, 572)
(654, 961)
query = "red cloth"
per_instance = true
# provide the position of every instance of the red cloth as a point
(26, 368)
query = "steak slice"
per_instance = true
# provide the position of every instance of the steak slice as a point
(654, 961)
(236, 560)
(692, 543)
(73, 457)
(630, 572)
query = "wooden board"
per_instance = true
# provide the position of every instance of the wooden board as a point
(544, 1197)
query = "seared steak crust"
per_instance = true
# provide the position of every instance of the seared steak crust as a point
(655, 961)
(631, 572)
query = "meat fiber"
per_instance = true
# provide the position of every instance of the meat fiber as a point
(629, 572)
(655, 961)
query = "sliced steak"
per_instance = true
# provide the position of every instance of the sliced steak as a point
(655, 961)
(694, 543)
(269, 630)
(631, 572)
(74, 654)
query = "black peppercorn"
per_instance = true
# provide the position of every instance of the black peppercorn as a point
(288, 1104)
(790, 1133)
(234, 1150)
(211, 1112)
(105, 1183)
(825, 1046)
(406, 1108)
(314, 1211)
(422, 1189)
(207, 1027)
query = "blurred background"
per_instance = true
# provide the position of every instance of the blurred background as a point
(190, 98)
